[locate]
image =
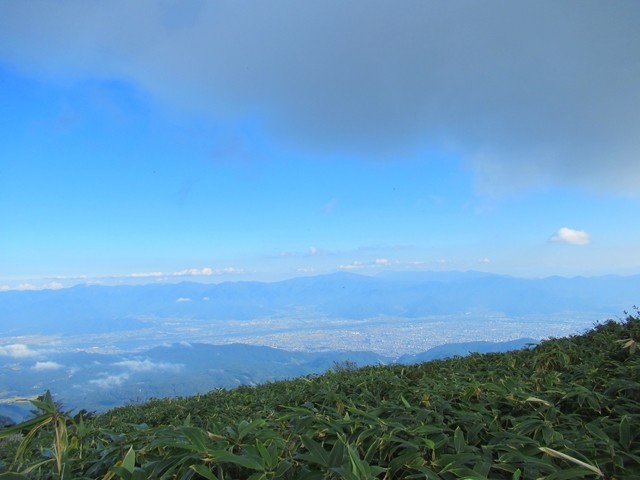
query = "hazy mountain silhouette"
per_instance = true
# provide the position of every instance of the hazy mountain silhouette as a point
(345, 295)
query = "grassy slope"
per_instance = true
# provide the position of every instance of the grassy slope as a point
(568, 408)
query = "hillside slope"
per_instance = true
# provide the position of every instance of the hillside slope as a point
(568, 408)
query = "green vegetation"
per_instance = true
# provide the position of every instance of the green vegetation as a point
(568, 408)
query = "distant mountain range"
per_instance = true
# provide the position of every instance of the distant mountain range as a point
(99, 309)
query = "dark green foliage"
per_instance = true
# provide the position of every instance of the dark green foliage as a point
(568, 408)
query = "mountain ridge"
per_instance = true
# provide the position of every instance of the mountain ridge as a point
(343, 294)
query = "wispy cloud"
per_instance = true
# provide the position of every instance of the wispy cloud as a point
(571, 236)
(61, 281)
(146, 275)
(110, 381)
(312, 251)
(355, 265)
(306, 270)
(17, 350)
(384, 262)
(56, 285)
(359, 265)
(150, 366)
(183, 299)
(195, 272)
(188, 272)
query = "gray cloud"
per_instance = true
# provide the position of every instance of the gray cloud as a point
(527, 92)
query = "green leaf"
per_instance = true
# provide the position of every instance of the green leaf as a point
(336, 457)
(46, 404)
(203, 471)
(44, 420)
(129, 461)
(262, 450)
(458, 440)
(570, 474)
(317, 453)
(358, 466)
(537, 400)
(345, 473)
(196, 437)
(138, 474)
(625, 432)
(121, 472)
(35, 466)
(465, 473)
(569, 458)
(187, 421)
(282, 468)
(245, 427)
(228, 457)
(26, 425)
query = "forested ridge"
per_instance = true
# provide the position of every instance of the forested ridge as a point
(566, 408)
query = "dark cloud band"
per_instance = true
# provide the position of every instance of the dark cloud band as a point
(526, 92)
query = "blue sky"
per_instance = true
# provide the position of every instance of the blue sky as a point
(214, 141)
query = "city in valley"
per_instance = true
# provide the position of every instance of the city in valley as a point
(96, 347)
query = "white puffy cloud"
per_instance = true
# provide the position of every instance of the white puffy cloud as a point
(183, 299)
(17, 350)
(571, 236)
(49, 365)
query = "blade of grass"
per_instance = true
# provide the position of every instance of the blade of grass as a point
(569, 458)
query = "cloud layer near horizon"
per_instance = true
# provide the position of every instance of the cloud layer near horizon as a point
(527, 93)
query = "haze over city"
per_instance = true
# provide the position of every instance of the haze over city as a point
(156, 141)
